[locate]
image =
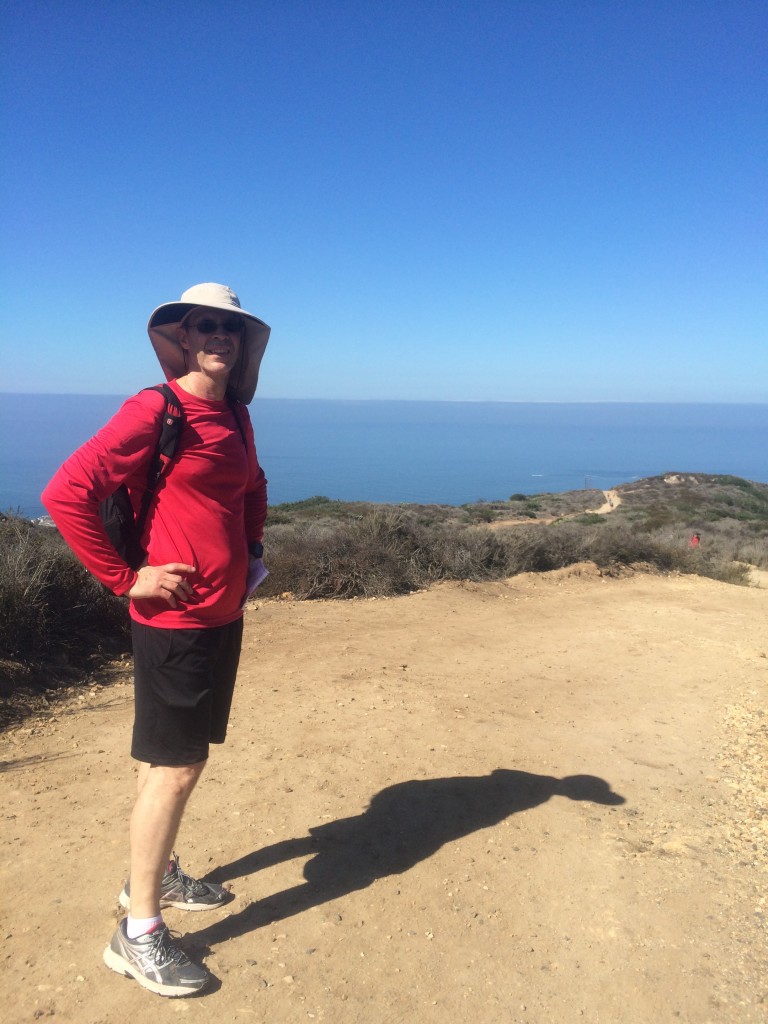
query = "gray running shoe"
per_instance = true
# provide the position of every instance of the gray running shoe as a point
(155, 962)
(180, 890)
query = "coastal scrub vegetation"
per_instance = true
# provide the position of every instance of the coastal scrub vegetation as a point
(323, 548)
(58, 624)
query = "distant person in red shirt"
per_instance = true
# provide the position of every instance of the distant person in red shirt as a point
(695, 540)
(203, 538)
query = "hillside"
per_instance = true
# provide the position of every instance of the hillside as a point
(687, 500)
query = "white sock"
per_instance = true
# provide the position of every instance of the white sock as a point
(136, 926)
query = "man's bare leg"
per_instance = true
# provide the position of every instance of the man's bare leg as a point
(162, 797)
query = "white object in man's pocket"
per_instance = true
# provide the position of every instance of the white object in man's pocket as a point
(257, 573)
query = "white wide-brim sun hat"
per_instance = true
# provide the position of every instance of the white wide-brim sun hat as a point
(163, 333)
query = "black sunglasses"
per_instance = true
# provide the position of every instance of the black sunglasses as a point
(232, 325)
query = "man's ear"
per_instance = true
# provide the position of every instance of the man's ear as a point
(181, 337)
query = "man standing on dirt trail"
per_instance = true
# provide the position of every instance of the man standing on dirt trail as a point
(202, 538)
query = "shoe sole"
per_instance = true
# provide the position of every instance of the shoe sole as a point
(120, 965)
(125, 902)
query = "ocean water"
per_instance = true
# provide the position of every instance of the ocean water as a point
(443, 452)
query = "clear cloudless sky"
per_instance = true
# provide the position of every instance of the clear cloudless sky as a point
(516, 200)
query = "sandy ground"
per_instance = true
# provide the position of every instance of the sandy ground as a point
(532, 801)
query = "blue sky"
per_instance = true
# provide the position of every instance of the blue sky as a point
(521, 201)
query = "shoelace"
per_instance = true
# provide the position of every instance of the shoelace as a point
(163, 951)
(193, 885)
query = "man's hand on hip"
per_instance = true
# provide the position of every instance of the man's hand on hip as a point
(163, 581)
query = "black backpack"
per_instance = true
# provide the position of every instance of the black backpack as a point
(123, 528)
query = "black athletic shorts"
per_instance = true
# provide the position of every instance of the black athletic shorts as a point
(184, 679)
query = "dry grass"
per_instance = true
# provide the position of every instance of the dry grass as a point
(389, 551)
(55, 619)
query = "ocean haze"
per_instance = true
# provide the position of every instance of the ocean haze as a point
(426, 452)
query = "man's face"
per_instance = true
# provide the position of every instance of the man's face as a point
(212, 338)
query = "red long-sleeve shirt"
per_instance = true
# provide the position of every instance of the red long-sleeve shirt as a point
(209, 504)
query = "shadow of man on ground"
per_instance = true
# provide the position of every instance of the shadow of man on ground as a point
(403, 824)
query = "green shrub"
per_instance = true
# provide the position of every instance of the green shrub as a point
(486, 515)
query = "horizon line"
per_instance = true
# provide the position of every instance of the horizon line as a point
(436, 401)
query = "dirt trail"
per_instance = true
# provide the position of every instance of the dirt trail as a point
(758, 577)
(514, 803)
(612, 501)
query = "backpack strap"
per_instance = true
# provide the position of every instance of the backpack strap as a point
(170, 431)
(165, 449)
(233, 403)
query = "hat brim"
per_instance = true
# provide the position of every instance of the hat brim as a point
(163, 333)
